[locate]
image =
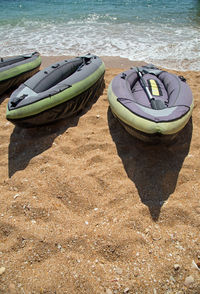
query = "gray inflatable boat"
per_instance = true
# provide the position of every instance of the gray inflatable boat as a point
(152, 105)
(57, 92)
(15, 70)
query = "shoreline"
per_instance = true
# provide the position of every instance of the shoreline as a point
(110, 61)
(118, 62)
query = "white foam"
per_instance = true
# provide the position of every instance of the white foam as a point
(167, 46)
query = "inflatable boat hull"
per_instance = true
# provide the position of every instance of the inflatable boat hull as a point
(16, 70)
(43, 105)
(137, 116)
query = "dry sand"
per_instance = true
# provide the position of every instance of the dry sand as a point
(86, 208)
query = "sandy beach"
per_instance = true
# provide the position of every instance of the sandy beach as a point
(86, 208)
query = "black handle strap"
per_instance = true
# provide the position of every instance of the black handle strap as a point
(16, 100)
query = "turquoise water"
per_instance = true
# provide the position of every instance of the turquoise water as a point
(166, 33)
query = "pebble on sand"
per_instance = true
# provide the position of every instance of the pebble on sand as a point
(2, 270)
(176, 267)
(189, 280)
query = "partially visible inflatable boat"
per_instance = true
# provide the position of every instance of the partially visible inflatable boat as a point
(152, 105)
(57, 92)
(15, 70)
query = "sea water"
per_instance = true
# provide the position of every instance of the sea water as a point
(163, 32)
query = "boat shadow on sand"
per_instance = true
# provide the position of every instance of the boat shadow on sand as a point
(2, 98)
(28, 143)
(5, 96)
(154, 169)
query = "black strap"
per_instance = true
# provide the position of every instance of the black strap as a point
(55, 65)
(182, 78)
(123, 76)
(16, 100)
(87, 58)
